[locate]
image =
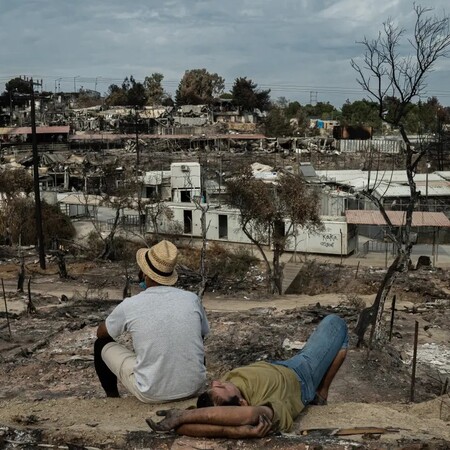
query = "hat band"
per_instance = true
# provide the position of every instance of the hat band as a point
(154, 269)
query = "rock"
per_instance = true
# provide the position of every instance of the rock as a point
(292, 345)
(423, 261)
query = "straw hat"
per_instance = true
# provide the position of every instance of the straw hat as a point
(158, 262)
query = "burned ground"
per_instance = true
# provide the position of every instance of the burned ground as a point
(49, 384)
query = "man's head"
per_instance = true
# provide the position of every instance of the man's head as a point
(221, 393)
(158, 263)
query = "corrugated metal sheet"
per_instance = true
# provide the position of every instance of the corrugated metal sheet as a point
(340, 175)
(383, 146)
(445, 174)
(394, 191)
(420, 219)
(39, 130)
(391, 176)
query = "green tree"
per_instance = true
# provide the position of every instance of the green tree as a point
(131, 93)
(361, 112)
(18, 85)
(199, 87)
(277, 124)
(271, 213)
(17, 92)
(136, 94)
(293, 110)
(116, 96)
(431, 113)
(321, 110)
(282, 102)
(247, 95)
(154, 89)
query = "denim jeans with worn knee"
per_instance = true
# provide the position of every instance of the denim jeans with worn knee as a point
(312, 362)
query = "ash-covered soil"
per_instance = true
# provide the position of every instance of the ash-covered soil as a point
(50, 394)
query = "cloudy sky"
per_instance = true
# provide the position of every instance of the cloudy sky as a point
(301, 49)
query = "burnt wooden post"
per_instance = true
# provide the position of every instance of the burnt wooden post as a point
(414, 363)
(357, 269)
(30, 307)
(6, 310)
(21, 276)
(392, 317)
(126, 290)
(62, 269)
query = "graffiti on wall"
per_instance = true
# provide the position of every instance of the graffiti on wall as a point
(329, 240)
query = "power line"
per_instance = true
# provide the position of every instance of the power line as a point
(274, 87)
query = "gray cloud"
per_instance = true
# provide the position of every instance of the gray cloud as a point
(293, 46)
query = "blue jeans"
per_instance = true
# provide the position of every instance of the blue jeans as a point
(312, 362)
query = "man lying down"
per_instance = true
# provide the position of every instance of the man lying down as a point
(260, 398)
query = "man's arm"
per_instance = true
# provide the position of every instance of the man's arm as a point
(102, 331)
(224, 416)
(232, 432)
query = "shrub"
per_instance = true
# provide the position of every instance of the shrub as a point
(18, 218)
(220, 261)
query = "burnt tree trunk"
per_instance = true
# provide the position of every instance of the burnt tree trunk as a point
(62, 269)
(369, 315)
(31, 309)
(277, 276)
(21, 277)
(126, 290)
(108, 250)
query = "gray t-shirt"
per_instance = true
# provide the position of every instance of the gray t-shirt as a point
(167, 326)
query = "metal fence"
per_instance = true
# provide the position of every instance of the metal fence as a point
(377, 247)
(130, 222)
(381, 146)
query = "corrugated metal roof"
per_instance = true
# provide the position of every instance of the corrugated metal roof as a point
(391, 191)
(341, 176)
(444, 174)
(420, 219)
(64, 129)
(351, 177)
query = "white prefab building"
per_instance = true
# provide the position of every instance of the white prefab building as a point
(185, 181)
(156, 182)
(336, 238)
(223, 222)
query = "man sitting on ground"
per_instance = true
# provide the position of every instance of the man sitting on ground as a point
(253, 400)
(167, 326)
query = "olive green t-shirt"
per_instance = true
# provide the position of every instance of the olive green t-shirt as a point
(264, 384)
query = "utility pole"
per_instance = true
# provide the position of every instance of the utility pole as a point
(10, 109)
(137, 138)
(37, 194)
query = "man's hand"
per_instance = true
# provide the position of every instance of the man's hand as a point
(170, 422)
(102, 331)
(259, 430)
